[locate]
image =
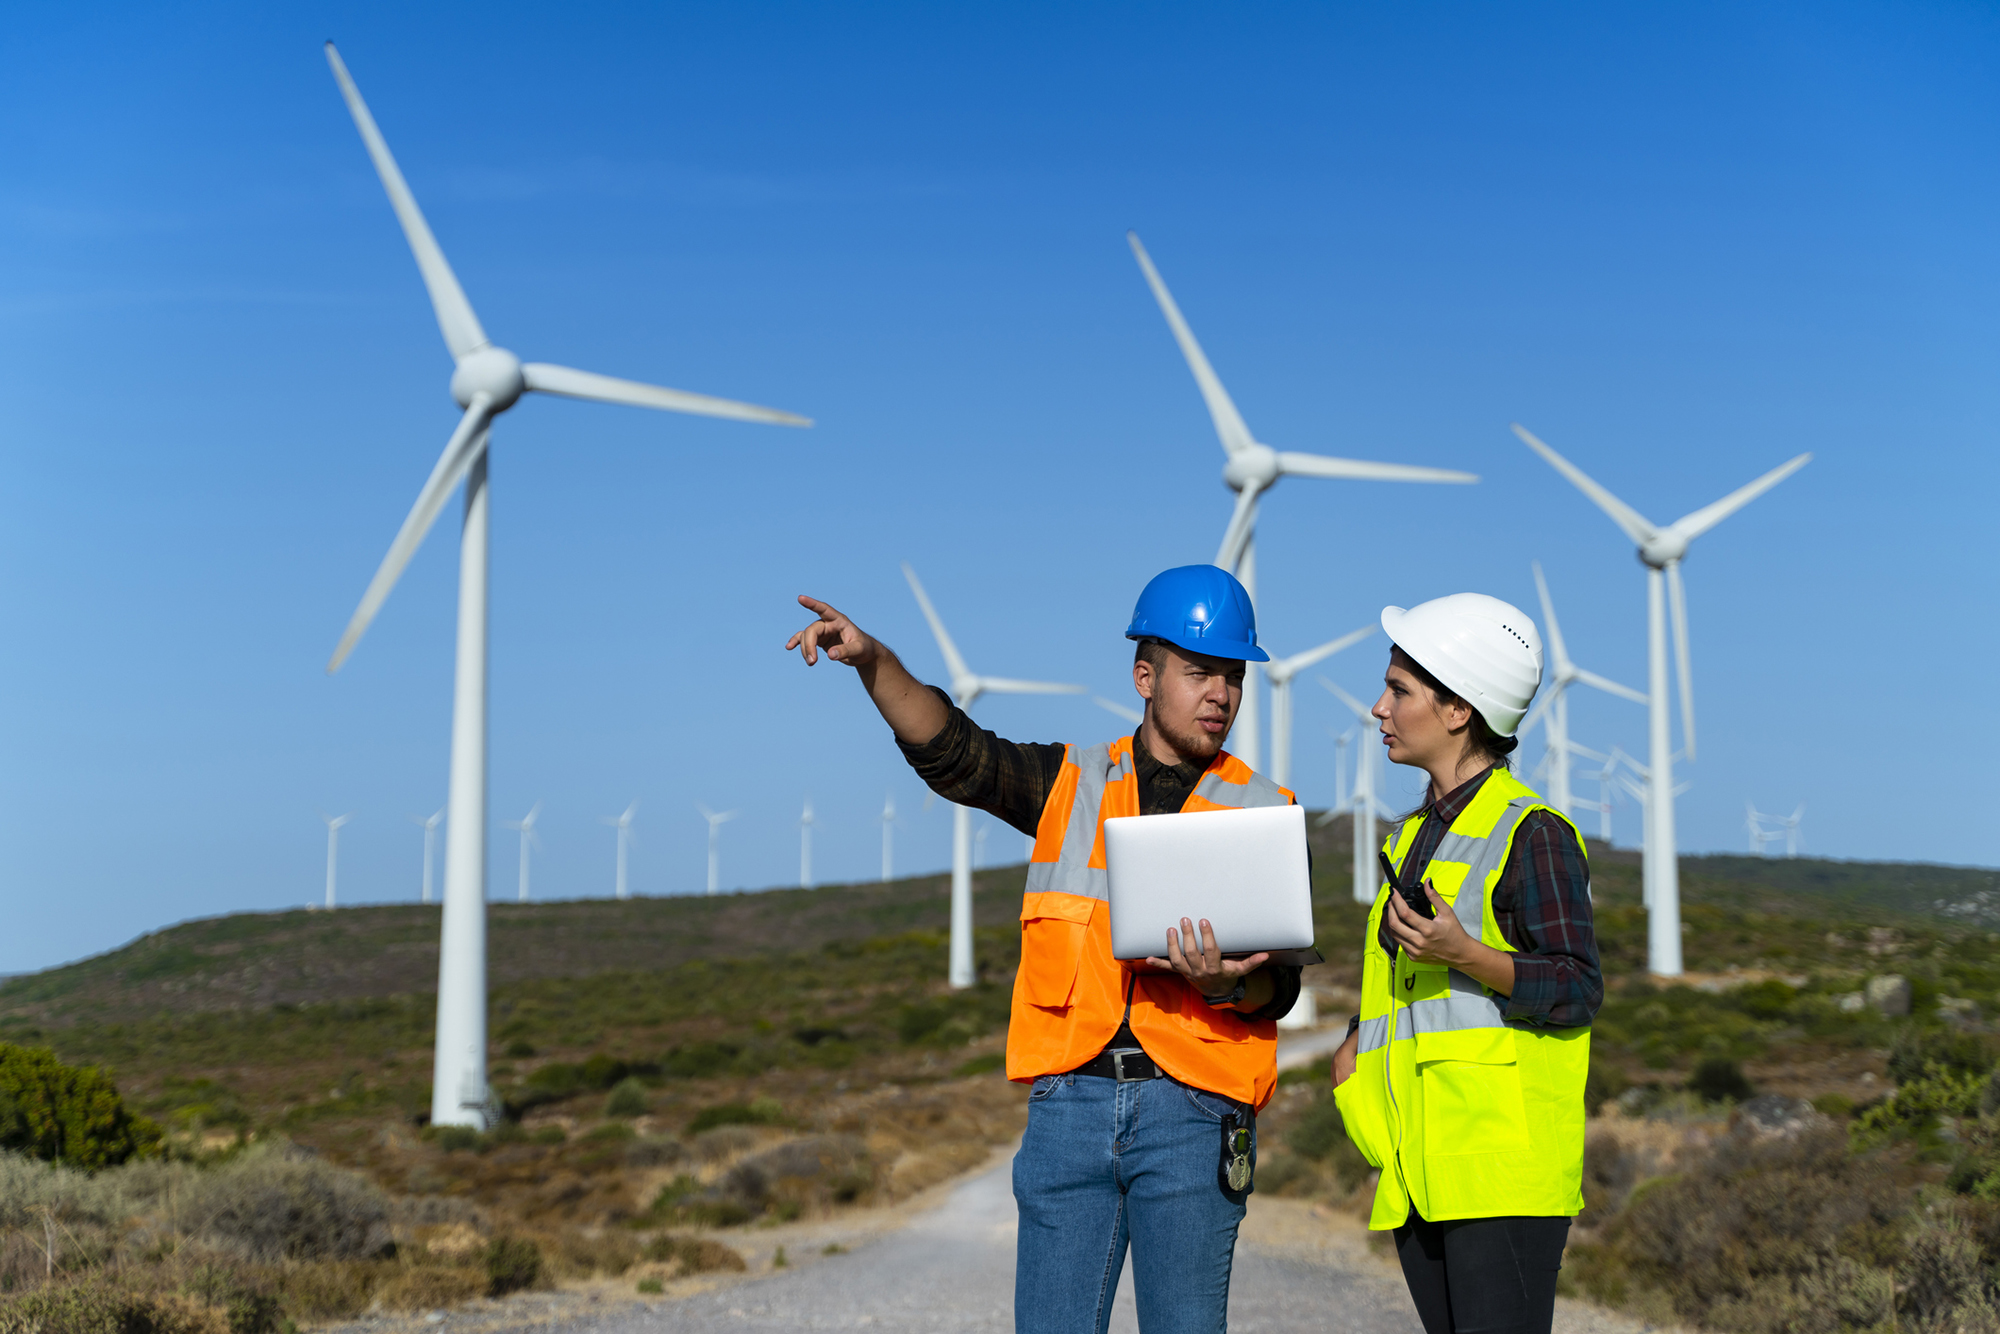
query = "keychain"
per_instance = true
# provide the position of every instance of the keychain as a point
(1235, 1165)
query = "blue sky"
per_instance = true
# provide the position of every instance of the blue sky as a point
(1681, 243)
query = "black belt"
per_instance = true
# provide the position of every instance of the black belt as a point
(1124, 1065)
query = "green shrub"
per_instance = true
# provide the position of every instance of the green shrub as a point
(650, 1286)
(272, 1205)
(601, 1071)
(1719, 1079)
(65, 1113)
(1916, 1109)
(513, 1264)
(761, 1112)
(701, 1060)
(1916, 1052)
(1601, 1085)
(454, 1138)
(628, 1098)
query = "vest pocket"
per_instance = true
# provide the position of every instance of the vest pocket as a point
(1472, 1095)
(1362, 1115)
(1053, 928)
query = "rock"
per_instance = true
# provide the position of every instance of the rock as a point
(1776, 1114)
(1890, 994)
(1852, 1002)
(1958, 1010)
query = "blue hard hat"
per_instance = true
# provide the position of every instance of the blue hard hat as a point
(1200, 608)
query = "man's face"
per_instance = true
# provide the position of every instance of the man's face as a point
(1193, 699)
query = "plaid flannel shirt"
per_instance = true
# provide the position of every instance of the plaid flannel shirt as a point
(1542, 906)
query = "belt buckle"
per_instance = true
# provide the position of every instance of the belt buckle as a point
(1118, 1066)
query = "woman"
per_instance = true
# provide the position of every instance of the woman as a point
(1462, 1077)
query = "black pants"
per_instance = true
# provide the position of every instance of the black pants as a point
(1483, 1275)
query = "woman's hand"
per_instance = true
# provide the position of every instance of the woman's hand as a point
(1441, 939)
(1344, 1058)
(1205, 969)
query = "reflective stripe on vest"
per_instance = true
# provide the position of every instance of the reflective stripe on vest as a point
(1070, 995)
(1467, 1115)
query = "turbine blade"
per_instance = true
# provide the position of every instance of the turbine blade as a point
(1540, 708)
(1677, 604)
(1129, 714)
(1634, 524)
(1611, 687)
(570, 383)
(1557, 650)
(467, 443)
(1325, 465)
(460, 326)
(1360, 709)
(1242, 526)
(1229, 424)
(1298, 662)
(1001, 685)
(1705, 518)
(953, 662)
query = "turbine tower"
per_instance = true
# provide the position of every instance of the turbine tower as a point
(806, 846)
(333, 824)
(1362, 801)
(1661, 550)
(526, 824)
(888, 837)
(1281, 671)
(1753, 824)
(715, 823)
(486, 381)
(1252, 469)
(430, 838)
(1794, 835)
(623, 824)
(1553, 706)
(966, 688)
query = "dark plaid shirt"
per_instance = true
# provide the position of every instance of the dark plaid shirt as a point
(1011, 780)
(1541, 905)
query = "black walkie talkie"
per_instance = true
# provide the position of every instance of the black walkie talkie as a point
(1413, 897)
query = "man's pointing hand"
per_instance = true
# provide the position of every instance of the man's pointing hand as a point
(842, 639)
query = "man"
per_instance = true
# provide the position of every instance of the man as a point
(1141, 1072)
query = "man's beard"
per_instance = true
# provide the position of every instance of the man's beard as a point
(1193, 741)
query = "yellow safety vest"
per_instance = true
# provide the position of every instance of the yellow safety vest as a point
(1466, 1114)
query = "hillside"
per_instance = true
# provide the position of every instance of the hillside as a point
(256, 960)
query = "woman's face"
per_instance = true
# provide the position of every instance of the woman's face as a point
(1415, 728)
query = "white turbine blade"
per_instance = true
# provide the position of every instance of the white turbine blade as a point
(706, 813)
(1242, 526)
(953, 662)
(1635, 525)
(1556, 648)
(1298, 662)
(1677, 604)
(1360, 709)
(1705, 518)
(1540, 708)
(1129, 714)
(1325, 465)
(1229, 424)
(1610, 687)
(464, 447)
(462, 333)
(1002, 685)
(727, 816)
(570, 383)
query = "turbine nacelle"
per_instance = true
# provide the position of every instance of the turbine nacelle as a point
(492, 371)
(1253, 466)
(1662, 549)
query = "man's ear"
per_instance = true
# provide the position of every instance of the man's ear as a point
(1142, 678)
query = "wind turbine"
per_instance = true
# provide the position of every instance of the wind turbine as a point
(486, 381)
(1794, 836)
(1753, 824)
(623, 824)
(1553, 706)
(430, 837)
(1281, 671)
(333, 824)
(888, 837)
(979, 844)
(1661, 550)
(806, 846)
(1362, 801)
(1125, 711)
(715, 823)
(966, 688)
(526, 824)
(1253, 468)
(1341, 741)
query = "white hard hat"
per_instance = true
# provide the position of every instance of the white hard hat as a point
(1485, 650)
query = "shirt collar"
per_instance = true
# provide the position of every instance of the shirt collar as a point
(1452, 805)
(1149, 770)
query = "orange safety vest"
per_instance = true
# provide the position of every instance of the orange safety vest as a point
(1069, 993)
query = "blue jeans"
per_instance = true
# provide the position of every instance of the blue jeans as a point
(1105, 1164)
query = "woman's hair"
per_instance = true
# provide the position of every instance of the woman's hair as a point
(1482, 743)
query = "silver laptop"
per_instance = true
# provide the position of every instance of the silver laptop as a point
(1245, 871)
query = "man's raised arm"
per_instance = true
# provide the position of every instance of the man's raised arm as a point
(913, 710)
